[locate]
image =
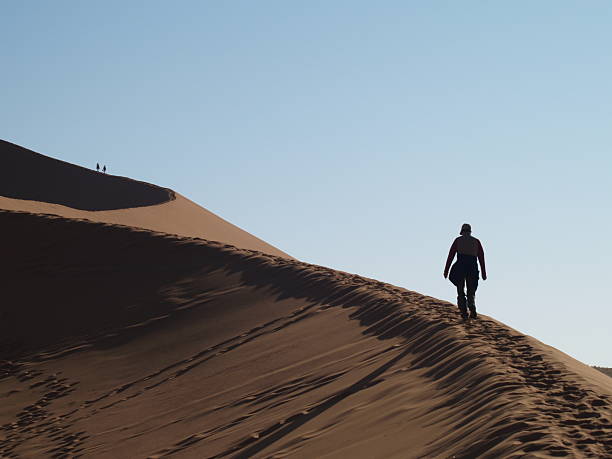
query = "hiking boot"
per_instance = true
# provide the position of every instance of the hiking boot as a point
(461, 303)
(472, 306)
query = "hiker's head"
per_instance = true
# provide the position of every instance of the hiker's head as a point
(465, 229)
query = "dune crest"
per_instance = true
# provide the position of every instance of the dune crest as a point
(143, 344)
(36, 183)
(32, 176)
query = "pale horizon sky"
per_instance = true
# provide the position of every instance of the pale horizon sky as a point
(356, 135)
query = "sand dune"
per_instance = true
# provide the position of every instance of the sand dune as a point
(121, 342)
(36, 183)
(28, 175)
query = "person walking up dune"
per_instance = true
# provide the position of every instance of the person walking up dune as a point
(104, 169)
(98, 167)
(464, 273)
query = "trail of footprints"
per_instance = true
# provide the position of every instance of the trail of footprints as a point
(582, 414)
(37, 420)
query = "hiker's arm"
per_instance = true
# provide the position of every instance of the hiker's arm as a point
(451, 256)
(481, 260)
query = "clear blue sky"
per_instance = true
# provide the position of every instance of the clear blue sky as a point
(358, 135)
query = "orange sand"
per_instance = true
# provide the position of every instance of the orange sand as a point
(36, 183)
(122, 342)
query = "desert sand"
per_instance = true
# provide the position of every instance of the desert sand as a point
(33, 182)
(120, 340)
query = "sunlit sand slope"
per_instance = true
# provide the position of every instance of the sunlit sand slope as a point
(37, 183)
(124, 343)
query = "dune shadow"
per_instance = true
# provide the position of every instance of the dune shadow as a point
(72, 285)
(32, 176)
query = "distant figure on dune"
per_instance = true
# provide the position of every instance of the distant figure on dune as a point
(465, 270)
(104, 169)
(98, 167)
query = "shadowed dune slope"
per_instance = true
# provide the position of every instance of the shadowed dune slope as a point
(123, 343)
(35, 183)
(31, 176)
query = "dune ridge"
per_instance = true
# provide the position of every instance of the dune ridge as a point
(32, 176)
(36, 183)
(265, 356)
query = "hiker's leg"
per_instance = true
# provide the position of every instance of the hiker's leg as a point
(472, 285)
(461, 303)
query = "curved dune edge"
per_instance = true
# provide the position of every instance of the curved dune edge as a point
(392, 374)
(28, 175)
(179, 216)
(36, 183)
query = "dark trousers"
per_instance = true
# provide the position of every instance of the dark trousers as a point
(471, 282)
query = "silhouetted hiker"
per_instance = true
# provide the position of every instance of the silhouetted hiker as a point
(98, 167)
(465, 270)
(104, 169)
